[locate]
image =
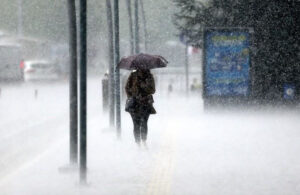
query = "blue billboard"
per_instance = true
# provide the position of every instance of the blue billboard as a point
(227, 63)
(289, 91)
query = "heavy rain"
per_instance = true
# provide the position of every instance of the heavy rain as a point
(154, 97)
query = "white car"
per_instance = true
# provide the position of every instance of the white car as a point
(40, 70)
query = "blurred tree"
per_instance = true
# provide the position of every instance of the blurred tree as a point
(275, 38)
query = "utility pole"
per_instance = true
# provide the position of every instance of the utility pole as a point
(145, 25)
(83, 91)
(117, 70)
(186, 69)
(73, 97)
(20, 18)
(136, 14)
(111, 64)
(131, 39)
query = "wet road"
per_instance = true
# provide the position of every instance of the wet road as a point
(189, 151)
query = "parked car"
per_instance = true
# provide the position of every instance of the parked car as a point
(38, 70)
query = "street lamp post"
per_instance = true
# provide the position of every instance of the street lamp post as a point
(183, 39)
(137, 38)
(73, 83)
(117, 71)
(111, 64)
(20, 18)
(186, 69)
(145, 25)
(130, 27)
(83, 91)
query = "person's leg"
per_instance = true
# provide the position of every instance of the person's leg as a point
(136, 127)
(144, 126)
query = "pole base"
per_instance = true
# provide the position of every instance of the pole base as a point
(69, 168)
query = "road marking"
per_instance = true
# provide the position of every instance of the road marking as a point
(161, 180)
(28, 164)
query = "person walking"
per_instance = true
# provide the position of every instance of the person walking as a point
(140, 88)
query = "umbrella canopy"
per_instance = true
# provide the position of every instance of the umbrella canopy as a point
(142, 61)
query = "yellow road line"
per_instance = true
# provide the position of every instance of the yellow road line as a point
(161, 180)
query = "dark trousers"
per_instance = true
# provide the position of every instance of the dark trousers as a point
(140, 127)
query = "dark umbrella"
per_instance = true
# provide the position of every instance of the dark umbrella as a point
(142, 61)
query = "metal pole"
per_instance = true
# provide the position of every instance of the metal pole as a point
(83, 91)
(111, 63)
(145, 25)
(131, 39)
(186, 69)
(117, 71)
(137, 38)
(20, 18)
(73, 97)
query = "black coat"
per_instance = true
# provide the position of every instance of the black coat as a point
(141, 87)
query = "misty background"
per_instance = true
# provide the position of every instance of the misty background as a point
(48, 19)
(191, 149)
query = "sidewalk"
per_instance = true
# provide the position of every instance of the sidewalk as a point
(189, 152)
(115, 166)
